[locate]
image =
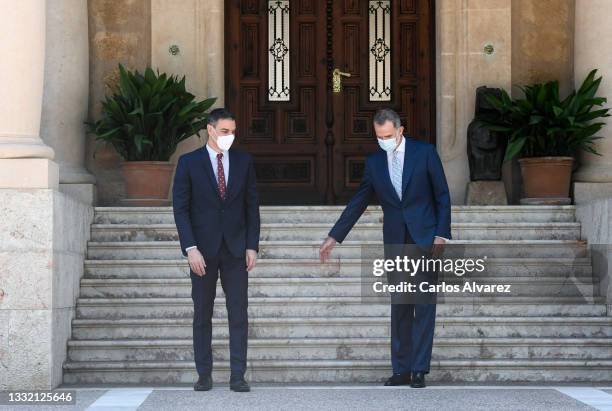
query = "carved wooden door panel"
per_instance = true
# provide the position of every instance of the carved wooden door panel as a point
(308, 141)
(387, 49)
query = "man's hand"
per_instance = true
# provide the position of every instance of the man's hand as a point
(251, 259)
(326, 248)
(438, 247)
(196, 262)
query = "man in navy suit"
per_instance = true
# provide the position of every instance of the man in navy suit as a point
(216, 211)
(409, 181)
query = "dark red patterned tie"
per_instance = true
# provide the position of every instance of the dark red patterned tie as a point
(220, 176)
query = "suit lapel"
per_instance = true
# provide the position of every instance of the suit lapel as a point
(409, 163)
(209, 171)
(232, 170)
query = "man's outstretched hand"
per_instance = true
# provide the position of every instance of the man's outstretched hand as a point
(326, 248)
(438, 247)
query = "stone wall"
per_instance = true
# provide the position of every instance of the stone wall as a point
(532, 41)
(119, 32)
(593, 40)
(543, 43)
(197, 29)
(463, 30)
(542, 50)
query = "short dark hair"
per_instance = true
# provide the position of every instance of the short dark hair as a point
(386, 114)
(220, 113)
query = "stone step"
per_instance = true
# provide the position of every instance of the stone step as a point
(362, 231)
(347, 327)
(117, 308)
(579, 268)
(445, 348)
(329, 214)
(321, 287)
(308, 321)
(338, 371)
(348, 249)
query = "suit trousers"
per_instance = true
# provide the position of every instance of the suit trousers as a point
(234, 281)
(412, 331)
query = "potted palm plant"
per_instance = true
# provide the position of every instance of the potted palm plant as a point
(144, 120)
(546, 133)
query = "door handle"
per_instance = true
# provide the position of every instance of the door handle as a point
(337, 79)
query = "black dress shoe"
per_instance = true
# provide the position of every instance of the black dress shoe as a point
(398, 379)
(418, 380)
(239, 384)
(204, 383)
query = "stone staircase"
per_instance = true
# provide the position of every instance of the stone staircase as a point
(307, 320)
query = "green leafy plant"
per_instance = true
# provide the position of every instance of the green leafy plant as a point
(540, 124)
(149, 115)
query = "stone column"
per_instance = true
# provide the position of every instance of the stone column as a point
(25, 160)
(66, 92)
(43, 232)
(593, 41)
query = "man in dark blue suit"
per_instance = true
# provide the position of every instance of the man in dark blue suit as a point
(409, 181)
(216, 211)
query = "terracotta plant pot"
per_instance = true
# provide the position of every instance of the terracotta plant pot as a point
(147, 183)
(546, 177)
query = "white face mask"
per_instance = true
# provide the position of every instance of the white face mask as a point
(387, 144)
(225, 142)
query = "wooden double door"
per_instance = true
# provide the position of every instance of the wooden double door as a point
(308, 138)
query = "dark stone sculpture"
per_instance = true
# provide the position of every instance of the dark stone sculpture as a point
(486, 149)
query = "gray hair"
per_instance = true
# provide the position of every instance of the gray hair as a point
(386, 114)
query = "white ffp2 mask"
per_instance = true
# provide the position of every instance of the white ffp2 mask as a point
(225, 142)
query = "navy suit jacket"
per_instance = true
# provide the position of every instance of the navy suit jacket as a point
(202, 218)
(425, 208)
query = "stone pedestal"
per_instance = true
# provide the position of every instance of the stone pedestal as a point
(43, 237)
(28, 173)
(85, 193)
(486, 193)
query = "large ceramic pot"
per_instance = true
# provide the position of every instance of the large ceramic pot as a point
(147, 183)
(546, 177)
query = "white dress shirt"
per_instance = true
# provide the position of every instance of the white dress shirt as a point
(400, 150)
(212, 154)
(225, 160)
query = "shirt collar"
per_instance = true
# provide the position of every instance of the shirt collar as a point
(402, 147)
(213, 154)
